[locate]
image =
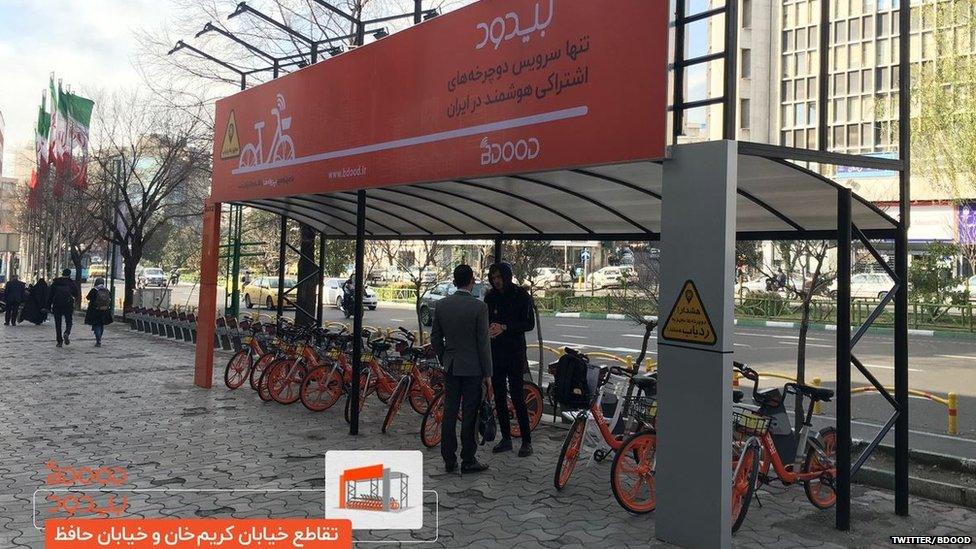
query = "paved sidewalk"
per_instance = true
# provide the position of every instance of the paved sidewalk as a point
(132, 404)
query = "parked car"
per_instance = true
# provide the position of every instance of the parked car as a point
(151, 276)
(428, 301)
(333, 294)
(429, 276)
(552, 278)
(865, 285)
(263, 290)
(764, 284)
(968, 284)
(608, 277)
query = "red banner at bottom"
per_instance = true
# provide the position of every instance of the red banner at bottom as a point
(186, 533)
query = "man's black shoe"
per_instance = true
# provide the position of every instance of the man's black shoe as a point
(525, 450)
(450, 467)
(474, 467)
(59, 345)
(505, 445)
(66, 340)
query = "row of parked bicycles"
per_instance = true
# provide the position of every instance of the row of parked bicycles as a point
(289, 364)
(619, 423)
(612, 417)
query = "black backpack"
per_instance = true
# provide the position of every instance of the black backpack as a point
(63, 295)
(571, 388)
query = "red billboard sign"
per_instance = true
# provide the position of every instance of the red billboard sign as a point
(497, 87)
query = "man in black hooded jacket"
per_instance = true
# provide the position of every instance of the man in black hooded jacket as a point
(510, 315)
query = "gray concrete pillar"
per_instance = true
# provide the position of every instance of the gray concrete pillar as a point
(694, 456)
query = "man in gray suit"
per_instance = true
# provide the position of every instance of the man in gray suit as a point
(460, 338)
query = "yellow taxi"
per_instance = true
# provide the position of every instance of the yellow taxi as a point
(263, 290)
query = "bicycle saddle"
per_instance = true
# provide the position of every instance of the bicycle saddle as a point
(646, 383)
(379, 346)
(816, 393)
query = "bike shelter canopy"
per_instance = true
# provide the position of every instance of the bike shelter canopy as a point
(776, 199)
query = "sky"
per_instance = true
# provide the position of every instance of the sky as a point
(86, 43)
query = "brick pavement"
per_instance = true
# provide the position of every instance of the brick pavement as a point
(132, 404)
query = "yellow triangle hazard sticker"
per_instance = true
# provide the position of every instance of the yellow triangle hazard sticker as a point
(231, 145)
(688, 321)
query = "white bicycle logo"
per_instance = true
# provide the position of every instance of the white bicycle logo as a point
(282, 147)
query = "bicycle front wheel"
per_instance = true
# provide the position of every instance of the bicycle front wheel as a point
(396, 400)
(820, 491)
(632, 475)
(745, 471)
(287, 381)
(237, 370)
(259, 366)
(264, 382)
(321, 388)
(430, 427)
(570, 453)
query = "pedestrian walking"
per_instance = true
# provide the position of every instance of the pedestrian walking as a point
(35, 306)
(510, 315)
(460, 338)
(14, 293)
(62, 304)
(99, 312)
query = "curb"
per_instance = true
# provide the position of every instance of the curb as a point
(965, 336)
(931, 489)
(922, 487)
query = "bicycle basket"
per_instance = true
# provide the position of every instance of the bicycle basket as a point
(749, 423)
(640, 408)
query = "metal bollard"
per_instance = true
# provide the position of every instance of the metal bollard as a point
(953, 410)
(818, 406)
(735, 378)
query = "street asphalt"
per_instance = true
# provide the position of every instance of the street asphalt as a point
(937, 365)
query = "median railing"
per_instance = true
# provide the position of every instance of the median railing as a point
(950, 401)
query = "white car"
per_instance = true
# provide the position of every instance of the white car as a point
(866, 286)
(428, 278)
(332, 294)
(760, 286)
(551, 278)
(969, 284)
(151, 276)
(612, 276)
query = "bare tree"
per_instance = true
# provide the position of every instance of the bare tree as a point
(526, 258)
(80, 227)
(415, 266)
(150, 168)
(638, 300)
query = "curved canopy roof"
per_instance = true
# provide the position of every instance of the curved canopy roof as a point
(777, 200)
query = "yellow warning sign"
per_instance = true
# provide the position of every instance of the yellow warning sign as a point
(231, 146)
(688, 321)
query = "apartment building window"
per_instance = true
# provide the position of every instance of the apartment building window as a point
(746, 8)
(746, 63)
(744, 114)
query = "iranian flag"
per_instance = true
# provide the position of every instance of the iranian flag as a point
(56, 132)
(41, 138)
(77, 119)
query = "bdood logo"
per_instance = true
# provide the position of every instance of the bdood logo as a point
(496, 153)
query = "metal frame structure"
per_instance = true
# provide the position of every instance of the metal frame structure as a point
(334, 213)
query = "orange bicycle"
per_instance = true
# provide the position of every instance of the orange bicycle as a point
(631, 414)
(794, 457)
(326, 382)
(253, 346)
(376, 376)
(430, 426)
(420, 385)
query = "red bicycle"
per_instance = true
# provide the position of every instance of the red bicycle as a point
(253, 346)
